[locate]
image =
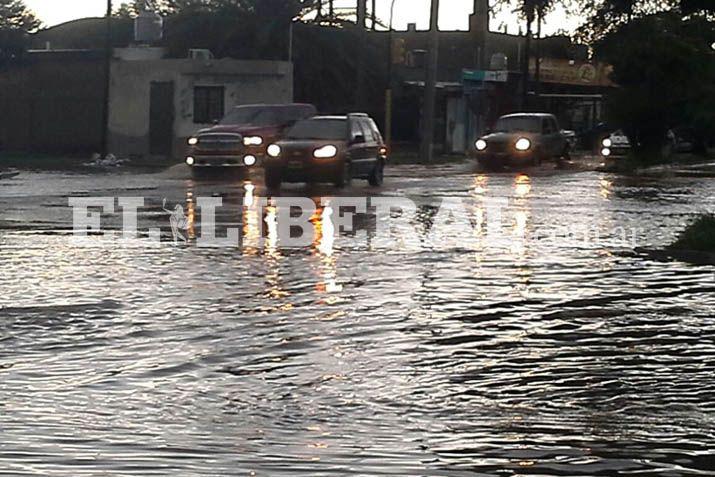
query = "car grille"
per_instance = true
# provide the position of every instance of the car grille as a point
(498, 147)
(297, 155)
(220, 143)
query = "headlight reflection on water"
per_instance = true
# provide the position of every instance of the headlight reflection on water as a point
(480, 184)
(324, 242)
(522, 185)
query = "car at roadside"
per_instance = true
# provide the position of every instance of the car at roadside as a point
(677, 141)
(239, 140)
(332, 149)
(615, 145)
(522, 139)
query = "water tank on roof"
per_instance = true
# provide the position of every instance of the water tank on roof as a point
(499, 62)
(148, 27)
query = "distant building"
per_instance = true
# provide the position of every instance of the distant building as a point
(52, 101)
(156, 104)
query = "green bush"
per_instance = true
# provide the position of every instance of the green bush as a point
(699, 236)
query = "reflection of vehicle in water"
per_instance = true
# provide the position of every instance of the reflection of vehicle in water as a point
(328, 149)
(239, 140)
(522, 139)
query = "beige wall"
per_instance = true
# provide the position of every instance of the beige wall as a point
(246, 82)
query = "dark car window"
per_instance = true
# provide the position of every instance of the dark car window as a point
(356, 130)
(375, 130)
(318, 129)
(295, 113)
(550, 126)
(266, 115)
(367, 130)
(554, 125)
(519, 124)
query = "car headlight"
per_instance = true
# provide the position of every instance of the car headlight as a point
(249, 160)
(607, 142)
(274, 150)
(326, 152)
(606, 152)
(252, 141)
(190, 161)
(523, 144)
(193, 141)
(481, 144)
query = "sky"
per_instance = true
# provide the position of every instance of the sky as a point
(454, 14)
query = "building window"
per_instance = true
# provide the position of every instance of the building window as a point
(208, 104)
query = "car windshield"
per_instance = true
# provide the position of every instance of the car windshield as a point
(319, 129)
(259, 116)
(518, 124)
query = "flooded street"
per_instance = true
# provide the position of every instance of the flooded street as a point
(548, 357)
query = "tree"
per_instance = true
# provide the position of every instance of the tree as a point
(698, 6)
(607, 16)
(663, 65)
(248, 29)
(132, 8)
(16, 21)
(14, 14)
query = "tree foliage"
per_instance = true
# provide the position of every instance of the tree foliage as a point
(14, 15)
(664, 67)
(16, 21)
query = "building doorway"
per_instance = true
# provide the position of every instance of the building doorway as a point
(161, 118)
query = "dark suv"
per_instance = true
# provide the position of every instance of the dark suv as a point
(328, 149)
(239, 140)
(522, 139)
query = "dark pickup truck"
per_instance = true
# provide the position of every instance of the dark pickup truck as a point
(238, 142)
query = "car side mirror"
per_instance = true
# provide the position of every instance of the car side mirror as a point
(215, 122)
(488, 131)
(359, 139)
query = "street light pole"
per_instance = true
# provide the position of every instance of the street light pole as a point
(107, 80)
(428, 108)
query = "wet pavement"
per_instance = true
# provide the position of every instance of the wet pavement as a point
(548, 357)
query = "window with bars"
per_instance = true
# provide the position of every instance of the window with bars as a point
(208, 104)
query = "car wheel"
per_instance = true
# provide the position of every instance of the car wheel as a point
(377, 176)
(345, 176)
(273, 179)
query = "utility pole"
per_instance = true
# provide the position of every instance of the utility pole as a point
(428, 108)
(361, 13)
(363, 46)
(107, 79)
(373, 15)
(388, 86)
(527, 54)
(537, 70)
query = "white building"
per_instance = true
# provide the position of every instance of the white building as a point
(156, 104)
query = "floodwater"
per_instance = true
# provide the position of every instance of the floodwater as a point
(548, 357)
